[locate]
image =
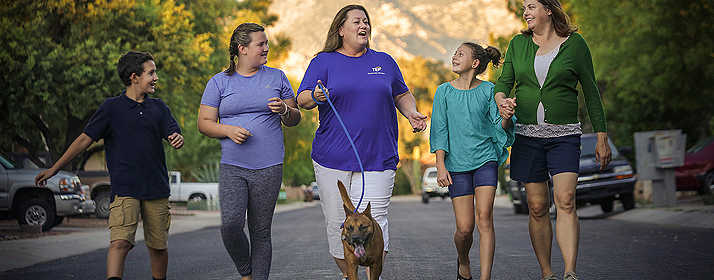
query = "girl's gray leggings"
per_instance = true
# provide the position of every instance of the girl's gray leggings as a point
(251, 191)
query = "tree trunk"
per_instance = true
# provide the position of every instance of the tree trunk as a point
(411, 169)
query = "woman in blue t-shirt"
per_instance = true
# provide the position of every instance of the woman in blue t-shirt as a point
(251, 101)
(470, 139)
(365, 86)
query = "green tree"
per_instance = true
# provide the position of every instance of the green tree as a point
(60, 64)
(422, 76)
(61, 58)
(654, 61)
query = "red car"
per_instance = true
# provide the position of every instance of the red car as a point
(697, 173)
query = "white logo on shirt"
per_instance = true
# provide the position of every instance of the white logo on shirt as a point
(377, 70)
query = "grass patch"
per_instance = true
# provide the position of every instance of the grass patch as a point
(708, 199)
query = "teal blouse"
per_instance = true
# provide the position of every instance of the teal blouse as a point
(467, 126)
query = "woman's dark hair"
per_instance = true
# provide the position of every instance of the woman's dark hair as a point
(560, 20)
(484, 56)
(334, 41)
(132, 63)
(240, 37)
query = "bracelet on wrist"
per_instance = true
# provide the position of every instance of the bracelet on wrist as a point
(287, 110)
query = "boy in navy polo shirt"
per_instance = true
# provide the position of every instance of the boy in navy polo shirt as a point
(133, 126)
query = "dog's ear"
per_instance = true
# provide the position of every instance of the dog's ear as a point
(368, 210)
(348, 211)
(346, 201)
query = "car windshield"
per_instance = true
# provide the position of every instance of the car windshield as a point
(587, 147)
(699, 146)
(431, 174)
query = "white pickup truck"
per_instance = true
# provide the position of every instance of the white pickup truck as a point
(181, 191)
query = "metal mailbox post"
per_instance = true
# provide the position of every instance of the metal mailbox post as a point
(658, 153)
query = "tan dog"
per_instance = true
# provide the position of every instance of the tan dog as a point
(361, 238)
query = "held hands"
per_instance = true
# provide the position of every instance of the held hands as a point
(236, 133)
(602, 150)
(319, 94)
(276, 105)
(443, 178)
(506, 107)
(41, 179)
(176, 140)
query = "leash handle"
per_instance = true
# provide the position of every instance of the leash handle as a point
(312, 93)
(347, 133)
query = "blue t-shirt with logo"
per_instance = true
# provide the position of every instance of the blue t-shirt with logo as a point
(243, 101)
(363, 90)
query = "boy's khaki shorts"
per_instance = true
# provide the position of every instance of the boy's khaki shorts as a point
(124, 215)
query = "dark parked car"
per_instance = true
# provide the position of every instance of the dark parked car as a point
(595, 186)
(697, 173)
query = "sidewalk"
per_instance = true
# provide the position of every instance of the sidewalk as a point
(27, 252)
(689, 212)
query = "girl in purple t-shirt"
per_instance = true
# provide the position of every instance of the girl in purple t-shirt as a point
(251, 101)
(365, 86)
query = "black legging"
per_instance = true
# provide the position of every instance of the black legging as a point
(254, 190)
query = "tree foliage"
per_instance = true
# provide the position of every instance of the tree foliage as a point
(422, 76)
(653, 61)
(60, 64)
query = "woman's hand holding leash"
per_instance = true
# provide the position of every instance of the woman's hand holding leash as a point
(318, 94)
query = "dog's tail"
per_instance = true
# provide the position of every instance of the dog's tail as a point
(345, 197)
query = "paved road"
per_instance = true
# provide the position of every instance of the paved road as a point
(422, 248)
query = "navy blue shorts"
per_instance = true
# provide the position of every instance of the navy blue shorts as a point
(533, 158)
(464, 183)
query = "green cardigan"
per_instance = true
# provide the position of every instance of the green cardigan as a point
(559, 94)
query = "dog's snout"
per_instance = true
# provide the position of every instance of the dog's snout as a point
(356, 240)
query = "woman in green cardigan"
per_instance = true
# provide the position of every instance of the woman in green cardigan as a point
(545, 63)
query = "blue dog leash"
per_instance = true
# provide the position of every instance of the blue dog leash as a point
(344, 128)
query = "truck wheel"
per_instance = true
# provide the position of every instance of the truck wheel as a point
(707, 186)
(197, 197)
(102, 201)
(425, 198)
(628, 201)
(37, 211)
(607, 205)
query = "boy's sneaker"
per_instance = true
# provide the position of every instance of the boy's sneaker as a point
(570, 276)
(550, 277)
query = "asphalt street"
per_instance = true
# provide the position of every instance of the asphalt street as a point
(421, 248)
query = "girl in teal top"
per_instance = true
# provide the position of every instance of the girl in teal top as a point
(470, 139)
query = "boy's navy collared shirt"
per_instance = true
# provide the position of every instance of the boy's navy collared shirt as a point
(133, 133)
